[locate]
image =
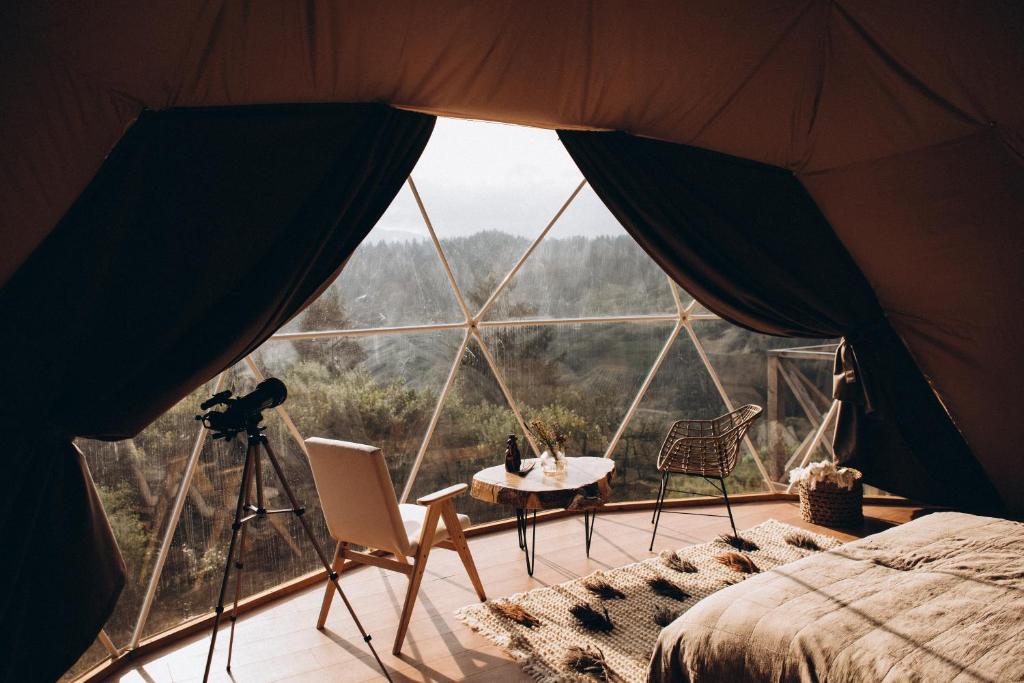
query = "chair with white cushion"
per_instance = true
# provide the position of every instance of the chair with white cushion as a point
(361, 509)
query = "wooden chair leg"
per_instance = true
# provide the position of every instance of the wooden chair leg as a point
(458, 539)
(418, 567)
(329, 592)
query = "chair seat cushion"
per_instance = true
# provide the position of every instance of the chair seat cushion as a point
(412, 518)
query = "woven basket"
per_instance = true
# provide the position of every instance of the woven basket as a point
(829, 505)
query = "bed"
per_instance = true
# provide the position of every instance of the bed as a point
(938, 599)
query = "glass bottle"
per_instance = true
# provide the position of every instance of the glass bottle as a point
(513, 459)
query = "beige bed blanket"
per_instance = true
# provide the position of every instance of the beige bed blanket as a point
(938, 599)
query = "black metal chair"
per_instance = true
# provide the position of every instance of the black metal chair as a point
(703, 448)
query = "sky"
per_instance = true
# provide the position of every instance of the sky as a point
(477, 175)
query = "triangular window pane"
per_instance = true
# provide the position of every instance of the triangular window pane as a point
(741, 359)
(587, 265)
(379, 390)
(681, 389)
(581, 378)
(470, 435)
(276, 548)
(137, 480)
(490, 189)
(393, 278)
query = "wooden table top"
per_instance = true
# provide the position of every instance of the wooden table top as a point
(585, 483)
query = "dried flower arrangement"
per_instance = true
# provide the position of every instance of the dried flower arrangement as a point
(547, 435)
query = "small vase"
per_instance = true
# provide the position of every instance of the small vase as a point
(552, 463)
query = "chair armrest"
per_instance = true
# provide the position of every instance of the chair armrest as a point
(443, 494)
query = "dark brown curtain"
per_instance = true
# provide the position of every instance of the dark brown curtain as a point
(204, 231)
(749, 243)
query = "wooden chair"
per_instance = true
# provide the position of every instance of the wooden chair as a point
(361, 508)
(703, 448)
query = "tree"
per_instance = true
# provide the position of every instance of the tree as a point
(337, 354)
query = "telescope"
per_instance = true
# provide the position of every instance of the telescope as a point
(243, 412)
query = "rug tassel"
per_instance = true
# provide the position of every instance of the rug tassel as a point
(589, 662)
(738, 542)
(603, 589)
(665, 616)
(667, 589)
(591, 619)
(676, 563)
(514, 612)
(802, 541)
(738, 563)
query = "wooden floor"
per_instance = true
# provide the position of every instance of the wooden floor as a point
(279, 642)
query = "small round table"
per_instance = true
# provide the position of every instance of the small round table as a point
(585, 485)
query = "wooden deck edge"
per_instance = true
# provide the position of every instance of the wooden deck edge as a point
(633, 505)
(204, 622)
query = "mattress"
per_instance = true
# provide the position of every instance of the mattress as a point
(940, 598)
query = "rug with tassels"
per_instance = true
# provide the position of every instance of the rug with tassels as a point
(603, 627)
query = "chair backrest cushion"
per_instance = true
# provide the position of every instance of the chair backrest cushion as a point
(357, 495)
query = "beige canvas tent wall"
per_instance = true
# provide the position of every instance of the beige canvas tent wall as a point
(905, 123)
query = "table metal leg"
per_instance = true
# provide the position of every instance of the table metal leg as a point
(522, 518)
(526, 532)
(519, 528)
(589, 517)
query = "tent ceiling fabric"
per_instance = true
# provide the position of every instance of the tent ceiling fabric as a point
(905, 121)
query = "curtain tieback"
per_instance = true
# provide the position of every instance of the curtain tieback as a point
(848, 381)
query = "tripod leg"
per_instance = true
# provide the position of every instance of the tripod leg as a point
(261, 503)
(236, 526)
(331, 574)
(238, 589)
(239, 564)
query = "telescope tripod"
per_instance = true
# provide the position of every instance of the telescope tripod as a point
(245, 512)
